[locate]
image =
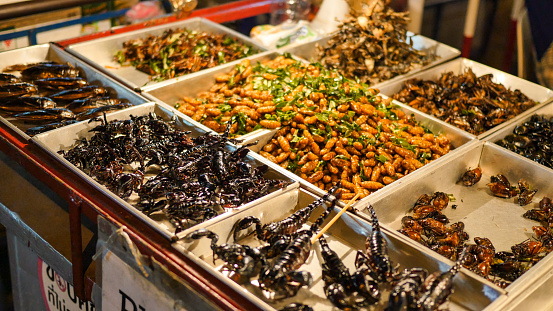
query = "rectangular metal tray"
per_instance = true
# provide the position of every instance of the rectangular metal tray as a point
(345, 237)
(308, 51)
(100, 52)
(50, 52)
(534, 91)
(170, 91)
(483, 214)
(64, 138)
(459, 140)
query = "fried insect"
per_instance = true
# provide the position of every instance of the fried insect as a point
(46, 115)
(48, 70)
(27, 103)
(281, 278)
(6, 78)
(471, 177)
(48, 127)
(61, 83)
(17, 89)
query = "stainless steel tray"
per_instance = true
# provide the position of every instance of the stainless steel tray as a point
(483, 214)
(308, 51)
(170, 91)
(50, 52)
(534, 91)
(346, 236)
(459, 140)
(100, 52)
(64, 138)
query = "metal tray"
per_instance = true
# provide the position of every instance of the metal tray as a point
(100, 52)
(308, 51)
(346, 236)
(459, 140)
(64, 138)
(534, 91)
(484, 215)
(50, 52)
(170, 91)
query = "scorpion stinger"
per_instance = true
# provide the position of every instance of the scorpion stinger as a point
(376, 258)
(281, 279)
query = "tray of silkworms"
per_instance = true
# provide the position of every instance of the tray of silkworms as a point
(147, 56)
(271, 256)
(530, 136)
(43, 88)
(484, 199)
(158, 166)
(328, 128)
(472, 96)
(375, 48)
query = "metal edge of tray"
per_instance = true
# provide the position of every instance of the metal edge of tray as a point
(307, 51)
(534, 91)
(50, 52)
(168, 92)
(58, 139)
(105, 48)
(481, 153)
(467, 285)
(459, 138)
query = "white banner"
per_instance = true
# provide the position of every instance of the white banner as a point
(124, 289)
(57, 293)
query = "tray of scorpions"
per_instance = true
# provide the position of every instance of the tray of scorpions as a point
(469, 95)
(268, 255)
(168, 173)
(43, 87)
(145, 57)
(313, 133)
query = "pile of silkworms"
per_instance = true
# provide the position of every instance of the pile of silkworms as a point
(180, 51)
(192, 179)
(331, 128)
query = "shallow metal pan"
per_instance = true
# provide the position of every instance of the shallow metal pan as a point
(64, 138)
(459, 140)
(483, 214)
(534, 91)
(346, 236)
(309, 52)
(100, 52)
(50, 52)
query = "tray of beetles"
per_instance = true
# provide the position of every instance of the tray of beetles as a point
(163, 170)
(314, 133)
(244, 250)
(485, 200)
(313, 52)
(147, 56)
(44, 87)
(529, 136)
(472, 96)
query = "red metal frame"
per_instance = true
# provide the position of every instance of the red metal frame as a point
(86, 200)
